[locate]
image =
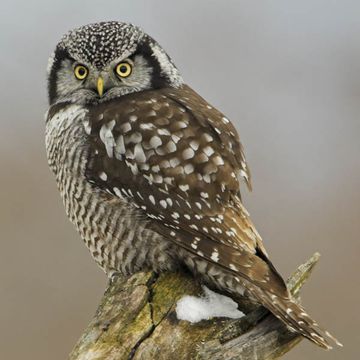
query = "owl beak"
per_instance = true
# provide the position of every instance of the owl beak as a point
(100, 86)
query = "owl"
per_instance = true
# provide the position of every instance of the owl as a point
(149, 172)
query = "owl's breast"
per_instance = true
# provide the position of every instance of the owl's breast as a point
(65, 140)
(67, 155)
(117, 237)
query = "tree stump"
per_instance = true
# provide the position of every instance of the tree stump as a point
(136, 320)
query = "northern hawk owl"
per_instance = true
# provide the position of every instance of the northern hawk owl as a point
(149, 172)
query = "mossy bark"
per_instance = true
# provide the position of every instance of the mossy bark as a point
(136, 320)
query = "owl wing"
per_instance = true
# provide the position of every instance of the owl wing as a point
(178, 160)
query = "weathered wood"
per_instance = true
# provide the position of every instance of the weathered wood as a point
(136, 320)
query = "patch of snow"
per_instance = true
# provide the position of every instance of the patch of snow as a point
(212, 304)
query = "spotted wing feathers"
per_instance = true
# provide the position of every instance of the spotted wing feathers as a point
(178, 159)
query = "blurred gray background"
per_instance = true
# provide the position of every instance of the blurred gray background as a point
(286, 72)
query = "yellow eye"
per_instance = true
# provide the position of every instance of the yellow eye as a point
(123, 69)
(81, 72)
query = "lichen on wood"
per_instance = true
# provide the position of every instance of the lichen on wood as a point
(136, 320)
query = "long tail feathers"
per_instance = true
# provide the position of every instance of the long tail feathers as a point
(295, 317)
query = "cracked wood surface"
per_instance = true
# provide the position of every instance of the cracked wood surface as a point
(136, 320)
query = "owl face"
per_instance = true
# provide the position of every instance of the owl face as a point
(102, 61)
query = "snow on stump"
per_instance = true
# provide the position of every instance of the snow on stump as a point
(170, 316)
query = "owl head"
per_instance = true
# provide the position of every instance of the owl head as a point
(98, 62)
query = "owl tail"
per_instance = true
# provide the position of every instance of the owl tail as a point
(295, 317)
